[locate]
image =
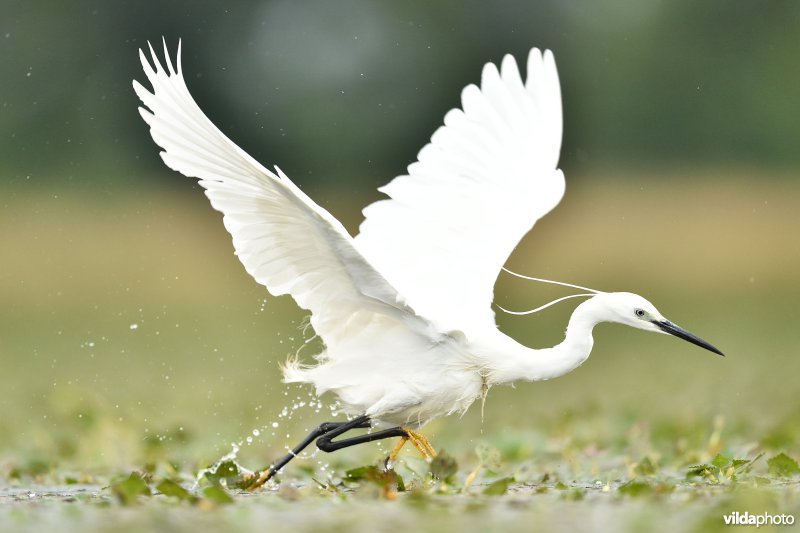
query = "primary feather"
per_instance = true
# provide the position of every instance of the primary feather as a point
(284, 240)
(477, 188)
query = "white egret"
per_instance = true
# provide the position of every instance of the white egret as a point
(404, 309)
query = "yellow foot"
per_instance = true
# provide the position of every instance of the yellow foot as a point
(420, 442)
(395, 451)
(263, 478)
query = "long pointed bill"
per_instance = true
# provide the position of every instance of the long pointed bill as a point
(668, 327)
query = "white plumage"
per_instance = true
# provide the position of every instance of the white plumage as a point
(404, 309)
(477, 188)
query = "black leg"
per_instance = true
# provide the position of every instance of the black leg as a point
(326, 444)
(323, 429)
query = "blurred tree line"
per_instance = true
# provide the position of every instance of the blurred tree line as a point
(332, 91)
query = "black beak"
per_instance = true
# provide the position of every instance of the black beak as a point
(668, 327)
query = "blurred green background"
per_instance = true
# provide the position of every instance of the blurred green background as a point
(126, 322)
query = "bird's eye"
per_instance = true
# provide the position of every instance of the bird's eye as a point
(639, 312)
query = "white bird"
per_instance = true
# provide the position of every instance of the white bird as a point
(405, 308)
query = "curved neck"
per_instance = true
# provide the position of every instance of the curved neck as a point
(511, 361)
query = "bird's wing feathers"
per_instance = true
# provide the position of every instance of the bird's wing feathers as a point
(477, 188)
(285, 241)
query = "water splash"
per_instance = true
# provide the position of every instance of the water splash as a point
(297, 408)
(230, 456)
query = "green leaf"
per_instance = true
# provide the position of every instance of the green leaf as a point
(636, 488)
(231, 474)
(645, 467)
(168, 487)
(128, 490)
(499, 487)
(34, 467)
(699, 471)
(386, 479)
(783, 466)
(443, 466)
(225, 470)
(720, 461)
(358, 474)
(217, 494)
(575, 495)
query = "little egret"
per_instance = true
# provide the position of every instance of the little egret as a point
(404, 308)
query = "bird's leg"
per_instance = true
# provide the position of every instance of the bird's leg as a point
(327, 431)
(322, 429)
(392, 456)
(326, 443)
(406, 434)
(420, 442)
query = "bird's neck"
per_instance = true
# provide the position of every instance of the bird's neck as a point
(513, 361)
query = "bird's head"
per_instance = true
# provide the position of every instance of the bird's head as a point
(633, 310)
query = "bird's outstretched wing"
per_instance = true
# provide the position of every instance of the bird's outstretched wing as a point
(285, 241)
(477, 188)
